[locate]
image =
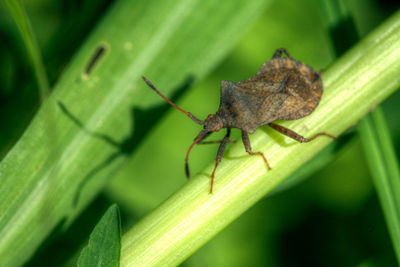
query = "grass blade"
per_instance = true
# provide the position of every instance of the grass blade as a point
(21, 19)
(373, 131)
(105, 242)
(384, 167)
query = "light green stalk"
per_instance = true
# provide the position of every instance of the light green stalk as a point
(360, 79)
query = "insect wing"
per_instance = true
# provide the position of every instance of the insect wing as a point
(243, 105)
(301, 85)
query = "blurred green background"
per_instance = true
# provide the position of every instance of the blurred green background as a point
(333, 218)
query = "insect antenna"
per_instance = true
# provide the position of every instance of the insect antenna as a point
(201, 136)
(190, 115)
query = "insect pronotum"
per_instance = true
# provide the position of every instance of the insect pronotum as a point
(283, 89)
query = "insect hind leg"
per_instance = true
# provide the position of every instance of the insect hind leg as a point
(295, 135)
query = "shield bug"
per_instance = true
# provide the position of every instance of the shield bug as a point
(283, 89)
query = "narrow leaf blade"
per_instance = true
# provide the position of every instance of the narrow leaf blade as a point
(384, 168)
(104, 243)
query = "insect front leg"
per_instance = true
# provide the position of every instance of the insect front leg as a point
(278, 53)
(215, 142)
(246, 142)
(295, 135)
(220, 153)
(201, 142)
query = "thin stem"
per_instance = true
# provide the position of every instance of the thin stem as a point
(21, 19)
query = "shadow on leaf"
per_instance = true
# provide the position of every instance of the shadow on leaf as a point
(142, 120)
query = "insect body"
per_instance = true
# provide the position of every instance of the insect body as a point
(283, 89)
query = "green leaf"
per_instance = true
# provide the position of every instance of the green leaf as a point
(96, 117)
(384, 167)
(105, 241)
(358, 80)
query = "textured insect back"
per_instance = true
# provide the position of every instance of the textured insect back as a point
(299, 85)
(237, 106)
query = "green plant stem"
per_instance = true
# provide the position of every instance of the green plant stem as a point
(384, 167)
(21, 19)
(357, 81)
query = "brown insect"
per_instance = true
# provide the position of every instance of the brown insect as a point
(283, 89)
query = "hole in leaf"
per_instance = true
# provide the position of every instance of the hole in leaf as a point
(95, 59)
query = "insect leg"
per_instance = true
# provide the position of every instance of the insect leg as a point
(295, 135)
(220, 153)
(278, 53)
(215, 142)
(201, 142)
(246, 142)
